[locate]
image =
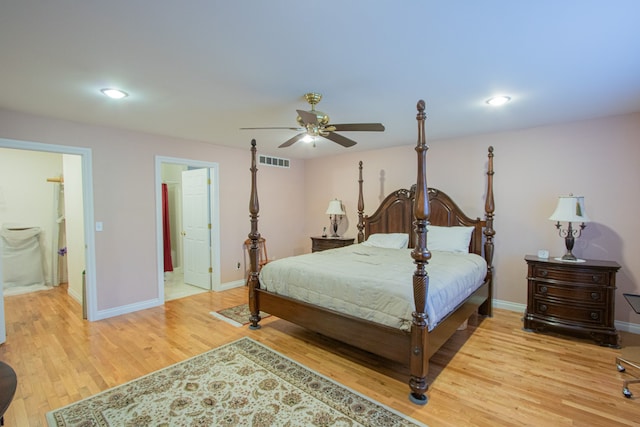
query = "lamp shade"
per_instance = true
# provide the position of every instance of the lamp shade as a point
(570, 209)
(335, 208)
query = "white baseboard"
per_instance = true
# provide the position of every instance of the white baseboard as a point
(511, 306)
(130, 308)
(229, 285)
(633, 328)
(73, 294)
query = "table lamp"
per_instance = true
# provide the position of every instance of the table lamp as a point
(570, 209)
(335, 213)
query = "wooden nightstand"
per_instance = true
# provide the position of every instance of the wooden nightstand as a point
(324, 243)
(572, 297)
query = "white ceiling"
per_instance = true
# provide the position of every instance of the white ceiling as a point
(201, 69)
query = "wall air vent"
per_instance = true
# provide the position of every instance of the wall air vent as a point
(273, 161)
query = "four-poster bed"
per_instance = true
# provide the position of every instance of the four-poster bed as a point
(402, 213)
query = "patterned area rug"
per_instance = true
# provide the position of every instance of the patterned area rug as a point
(241, 383)
(237, 316)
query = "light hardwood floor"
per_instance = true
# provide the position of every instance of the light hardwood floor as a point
(491, 374)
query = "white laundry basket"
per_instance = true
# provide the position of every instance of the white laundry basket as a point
(21, 256)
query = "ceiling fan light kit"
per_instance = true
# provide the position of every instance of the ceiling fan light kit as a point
(316, 124)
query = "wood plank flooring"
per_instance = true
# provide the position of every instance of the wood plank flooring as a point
(491, 374)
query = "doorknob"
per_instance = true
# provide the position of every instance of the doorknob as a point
(183, 233)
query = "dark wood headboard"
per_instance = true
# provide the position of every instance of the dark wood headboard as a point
(396, 214)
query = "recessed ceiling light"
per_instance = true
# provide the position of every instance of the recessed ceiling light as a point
(114, 93)
(496, 101)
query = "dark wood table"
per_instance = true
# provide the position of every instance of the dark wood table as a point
(8, 384)
(324, 243)
(577, 298)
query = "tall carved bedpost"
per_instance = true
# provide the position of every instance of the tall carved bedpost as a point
(360, 205)
(254, 236)
(419, 363)
(489, 207)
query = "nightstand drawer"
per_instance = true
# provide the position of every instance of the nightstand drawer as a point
(585, 294)
(579, 315)
(324, 243)
(574, 276)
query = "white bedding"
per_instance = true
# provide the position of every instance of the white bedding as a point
(375, 283)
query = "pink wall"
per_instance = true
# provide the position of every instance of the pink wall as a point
(124, 200)
(597, 159)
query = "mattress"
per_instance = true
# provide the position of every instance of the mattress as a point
(375, 283)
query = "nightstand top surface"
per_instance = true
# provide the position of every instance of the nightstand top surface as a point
(585, 263)
(333, 238)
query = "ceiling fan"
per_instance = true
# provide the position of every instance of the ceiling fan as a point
(316, 123)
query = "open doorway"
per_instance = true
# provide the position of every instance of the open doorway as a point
(78, 218)
(188, 227)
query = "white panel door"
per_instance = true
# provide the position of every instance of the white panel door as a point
(196, 231)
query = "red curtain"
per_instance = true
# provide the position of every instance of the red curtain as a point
(166, 230)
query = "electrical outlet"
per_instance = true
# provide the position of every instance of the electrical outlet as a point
(238, 265)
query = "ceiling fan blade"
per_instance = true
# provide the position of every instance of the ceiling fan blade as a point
(293, 140)
(367, 127)
(308, 117)
(339, 139)
(283, 127)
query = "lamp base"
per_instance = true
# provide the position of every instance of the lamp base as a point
(334, 226)
(569, 240)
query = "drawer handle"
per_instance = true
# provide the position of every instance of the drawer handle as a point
(595, 278)
(543, 289)
(595, 295)
(594, 315)
(543, 273)
(543, 307)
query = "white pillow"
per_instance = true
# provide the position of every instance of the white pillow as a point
(449, 239)
(388, 240)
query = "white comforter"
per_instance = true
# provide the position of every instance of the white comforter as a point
(375, 283)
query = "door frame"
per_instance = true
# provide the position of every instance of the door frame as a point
(214, 206)
(87, 205)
